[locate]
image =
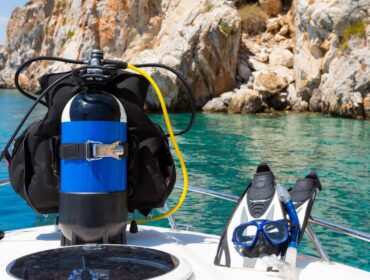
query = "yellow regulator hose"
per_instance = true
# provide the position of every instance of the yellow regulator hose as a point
(174, 143)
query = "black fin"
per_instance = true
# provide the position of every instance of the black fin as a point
(263, 167)
(261, 191)
(303, 195)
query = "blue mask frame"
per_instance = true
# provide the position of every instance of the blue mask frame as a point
(260, 225)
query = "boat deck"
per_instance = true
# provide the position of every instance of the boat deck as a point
(195, 250)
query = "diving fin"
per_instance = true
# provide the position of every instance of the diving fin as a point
(259, 201)
(260, 194)
(303, 195)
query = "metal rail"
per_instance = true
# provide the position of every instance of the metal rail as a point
(171, 219)
(324, 223)
(316, 243)
(342, 229)
(224, 196)
(4, 182)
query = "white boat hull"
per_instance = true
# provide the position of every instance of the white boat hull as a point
(195, 250)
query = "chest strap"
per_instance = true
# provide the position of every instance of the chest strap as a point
(93, 150)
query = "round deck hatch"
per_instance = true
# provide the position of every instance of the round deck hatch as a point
(94, 261)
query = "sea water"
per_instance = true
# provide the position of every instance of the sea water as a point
(221, 153)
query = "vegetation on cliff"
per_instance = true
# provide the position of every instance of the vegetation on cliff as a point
(355, 29)
(253, 19)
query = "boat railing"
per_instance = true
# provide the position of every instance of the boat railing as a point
(312, 220)
(4, 182)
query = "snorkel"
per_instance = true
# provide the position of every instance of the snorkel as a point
(284, 196)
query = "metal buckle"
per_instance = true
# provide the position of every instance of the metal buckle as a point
(87, 148)
(115, 150)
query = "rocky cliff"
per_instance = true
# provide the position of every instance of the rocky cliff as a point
(241, 56)
(315, 56)
(200, 38)
(332, 58)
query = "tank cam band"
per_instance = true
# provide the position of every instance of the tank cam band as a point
(92, 150)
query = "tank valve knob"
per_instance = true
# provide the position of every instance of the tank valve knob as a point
(133, 227)
(96, 58)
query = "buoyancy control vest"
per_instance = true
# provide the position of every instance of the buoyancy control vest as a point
(34, 162)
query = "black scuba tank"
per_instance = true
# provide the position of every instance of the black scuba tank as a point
(93, 198)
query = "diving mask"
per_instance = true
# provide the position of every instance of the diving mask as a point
(261, 237)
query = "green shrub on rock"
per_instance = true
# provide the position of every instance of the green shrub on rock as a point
(70, 35)
(355, 29)
(224, 27)
(253, 19)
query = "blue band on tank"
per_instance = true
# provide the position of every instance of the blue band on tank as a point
(105, 175)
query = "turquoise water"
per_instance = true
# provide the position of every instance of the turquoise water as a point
(222, 152)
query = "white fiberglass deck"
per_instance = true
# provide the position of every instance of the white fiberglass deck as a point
(197, 249)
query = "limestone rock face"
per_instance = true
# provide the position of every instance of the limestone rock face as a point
(198, 38)
(269, 82)
(273, 24)
(292, 94)
(300, 106)
(257, 65)
(281, 57)
(237, 102)
(243, 71)
(245, 101)
(215, 105)
(284, 30)
(315, 57)
(219, 104)
(269, 56)
(347, 84)
(288, 74)
(332, 60)
(6, 78)
(2, 58)
(227, 96)
(367, 106)
(252, 104)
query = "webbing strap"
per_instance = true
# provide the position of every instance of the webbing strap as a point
(93, 151)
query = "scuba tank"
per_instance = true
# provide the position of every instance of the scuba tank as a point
(93, 197)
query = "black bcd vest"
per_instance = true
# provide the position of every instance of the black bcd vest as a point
(34, 162)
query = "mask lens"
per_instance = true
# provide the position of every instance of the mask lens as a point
(276, 232)
(245, 234)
